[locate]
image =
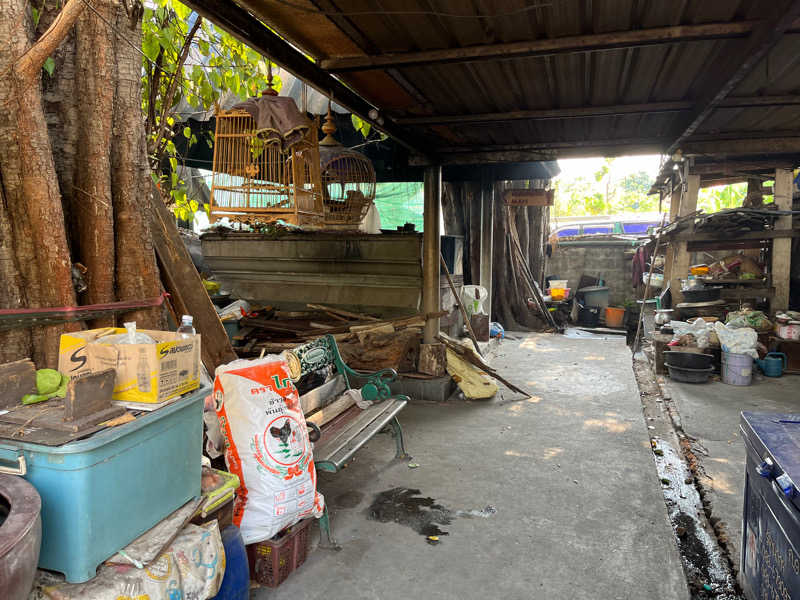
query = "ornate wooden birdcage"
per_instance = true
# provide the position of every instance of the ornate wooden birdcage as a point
(348, 181)
(262, 174)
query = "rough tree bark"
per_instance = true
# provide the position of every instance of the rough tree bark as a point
(30, 185)
(91, 193)
(91, 161)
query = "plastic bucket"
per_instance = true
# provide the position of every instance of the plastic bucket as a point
(737, 369)
(614, 316)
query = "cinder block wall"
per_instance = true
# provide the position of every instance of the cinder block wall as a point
(610, 263)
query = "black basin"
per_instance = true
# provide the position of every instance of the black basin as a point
(689, 375)
(702, 295)
(688, 360)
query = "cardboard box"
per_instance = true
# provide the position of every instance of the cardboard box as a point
(147, 373)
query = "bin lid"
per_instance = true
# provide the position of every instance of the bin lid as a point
(776, 436)
(593, 288)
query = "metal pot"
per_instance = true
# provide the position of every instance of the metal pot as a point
(20, 536)
(663, 316)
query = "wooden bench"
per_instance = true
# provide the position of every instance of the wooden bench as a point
(339, 427)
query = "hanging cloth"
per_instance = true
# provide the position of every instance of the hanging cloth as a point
(278, 120)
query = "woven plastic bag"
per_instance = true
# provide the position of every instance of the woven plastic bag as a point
(266, 446)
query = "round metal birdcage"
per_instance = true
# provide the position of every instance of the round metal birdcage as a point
(348, 180)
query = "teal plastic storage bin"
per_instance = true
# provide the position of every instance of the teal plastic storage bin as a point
(101, 493)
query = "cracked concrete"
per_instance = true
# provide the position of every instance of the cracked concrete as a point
(580, 513)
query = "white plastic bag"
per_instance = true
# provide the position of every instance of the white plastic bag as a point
(741, 340)
(266, 446)
(699, 329)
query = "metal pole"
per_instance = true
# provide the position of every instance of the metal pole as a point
(431, 250)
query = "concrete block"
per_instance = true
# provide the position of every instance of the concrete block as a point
(437, 389)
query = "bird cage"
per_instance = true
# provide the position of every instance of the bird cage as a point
(348, 181)
(259, 176)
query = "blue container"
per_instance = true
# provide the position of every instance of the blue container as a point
(101, 493)
(236, 582)
(770, 559)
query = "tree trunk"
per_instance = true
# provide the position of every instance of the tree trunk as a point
(91, 192)
(84, 138)
(137, 275)
(30, 185)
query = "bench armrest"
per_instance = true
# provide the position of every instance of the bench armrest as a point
(376, 384)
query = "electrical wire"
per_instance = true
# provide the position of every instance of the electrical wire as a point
(433, 13)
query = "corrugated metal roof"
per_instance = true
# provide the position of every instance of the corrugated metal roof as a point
(644, 72)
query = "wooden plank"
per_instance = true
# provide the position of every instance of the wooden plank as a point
(767, 234)
(16, 379)
(343, 313)
(543, 47)
(528, 197)
(780, 269)
(330, 411)
(188, 294)
(88, 394)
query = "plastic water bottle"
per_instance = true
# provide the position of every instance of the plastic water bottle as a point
(186, 330)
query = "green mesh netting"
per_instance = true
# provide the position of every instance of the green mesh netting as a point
(399, 203)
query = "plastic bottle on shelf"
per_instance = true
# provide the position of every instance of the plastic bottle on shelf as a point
(186, 330)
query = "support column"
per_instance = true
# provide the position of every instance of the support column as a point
(780, 268)
(681, 258)
(487, 227)
(431, 250)
(674, 207)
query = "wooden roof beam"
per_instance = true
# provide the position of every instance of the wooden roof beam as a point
(723, 80)
(594, 111)
(248, 29)
(545, 47)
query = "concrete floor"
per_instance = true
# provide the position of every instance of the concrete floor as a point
(709, 413)
(579, 509)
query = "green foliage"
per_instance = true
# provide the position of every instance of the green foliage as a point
(604, 194)
(49, 65)
(361, 125)
(717, 198)
(217, 63)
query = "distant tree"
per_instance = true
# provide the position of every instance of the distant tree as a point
(713, 199)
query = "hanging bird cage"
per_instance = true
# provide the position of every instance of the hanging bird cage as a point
(348, 181)
(262, 174)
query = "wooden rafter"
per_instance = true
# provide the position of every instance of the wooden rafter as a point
(595, 111)
(545, 47)
(730, 73)
(242, 25)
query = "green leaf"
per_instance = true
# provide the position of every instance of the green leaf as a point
(150, 46)
(35, 14)
(49, 65)
(187, 132)
(204, 47)
(207, 208)
(170, 121)
(173, 163)
(193, 205)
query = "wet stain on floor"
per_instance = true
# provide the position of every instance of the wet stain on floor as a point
(407, 507)
(424, 515)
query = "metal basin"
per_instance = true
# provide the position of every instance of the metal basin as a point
(20, 536)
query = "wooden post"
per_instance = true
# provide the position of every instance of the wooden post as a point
(431, 251)
(679, 268)
(669, 252)
(780, 269)
(487, 226)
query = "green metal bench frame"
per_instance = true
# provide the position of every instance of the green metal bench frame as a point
(324, 352)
